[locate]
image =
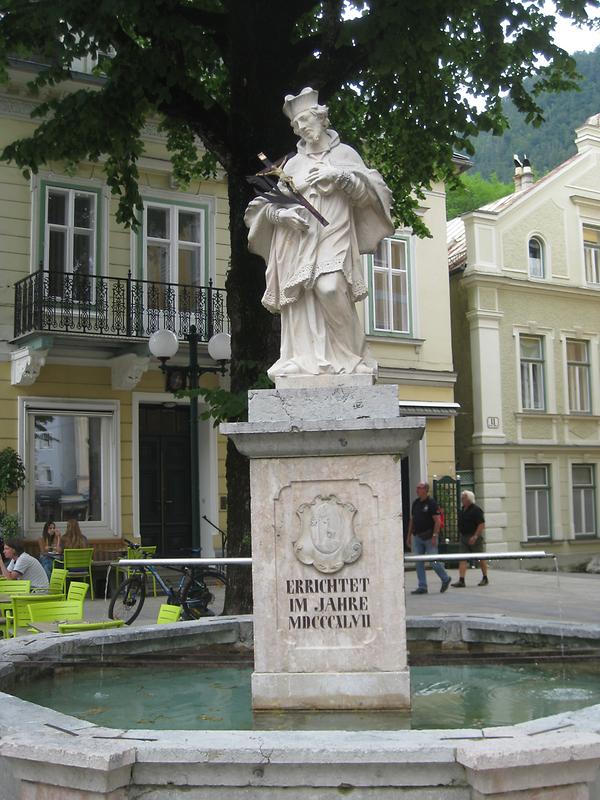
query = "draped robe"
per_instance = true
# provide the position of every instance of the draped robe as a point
(315, 338)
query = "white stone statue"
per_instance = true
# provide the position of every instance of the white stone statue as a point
(315, 273)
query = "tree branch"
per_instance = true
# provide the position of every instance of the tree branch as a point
(209, 124)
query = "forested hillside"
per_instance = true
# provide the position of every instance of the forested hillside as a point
(551, 143)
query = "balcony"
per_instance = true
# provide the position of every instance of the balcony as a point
(115, 308)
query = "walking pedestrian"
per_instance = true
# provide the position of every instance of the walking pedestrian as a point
(471, 526)
(422, 537)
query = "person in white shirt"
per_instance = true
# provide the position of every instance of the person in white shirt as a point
(22, 566)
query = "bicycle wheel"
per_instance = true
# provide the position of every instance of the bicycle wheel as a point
(128, 600)
(196, 597)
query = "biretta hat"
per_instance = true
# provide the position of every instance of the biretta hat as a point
(296, 104)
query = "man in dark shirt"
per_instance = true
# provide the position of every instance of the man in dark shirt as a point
(471, 525)
(422, 537)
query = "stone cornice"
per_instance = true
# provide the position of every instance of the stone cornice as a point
(417, 376)
(504, 282)
(19, 107)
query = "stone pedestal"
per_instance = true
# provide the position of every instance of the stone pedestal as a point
(328, 573)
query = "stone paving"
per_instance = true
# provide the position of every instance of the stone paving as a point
(567, 597)
(563, 597)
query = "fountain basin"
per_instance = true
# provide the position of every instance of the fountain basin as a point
(46, 754)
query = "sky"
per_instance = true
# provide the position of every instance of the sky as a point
(574, 39)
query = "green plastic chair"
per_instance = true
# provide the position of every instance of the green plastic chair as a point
(17, 616)
(168, 613)
(78, 561)
(14, 587)
(138, 552)
(77, 591)
(58, 580)
(55, 611)
(79, 627)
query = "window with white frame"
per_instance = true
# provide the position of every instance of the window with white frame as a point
(591, 254)
(531, 354)
(70, 239)
(536, 258)
(76, 477)
(583, 478)
(537, 501)
(578, 376)
(174, 251)
(390, 295)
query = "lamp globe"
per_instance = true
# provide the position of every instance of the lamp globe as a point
(163, 344)
(219, 347)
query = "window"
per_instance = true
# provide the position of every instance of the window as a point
(70, 240)
(43, 474)
(578, 375)
(537, 500)
(584, 499)
(536, 258)
(73, 461)
(173, 252)
(532, 373)
(390, 304)
(591, 253)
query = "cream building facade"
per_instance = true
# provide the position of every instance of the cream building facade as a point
(525, 295)
(80, 397)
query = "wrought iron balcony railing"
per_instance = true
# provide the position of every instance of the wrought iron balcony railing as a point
(61, 302)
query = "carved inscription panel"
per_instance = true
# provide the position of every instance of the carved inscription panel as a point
(326, 597)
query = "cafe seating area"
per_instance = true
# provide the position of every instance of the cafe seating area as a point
(24, 612)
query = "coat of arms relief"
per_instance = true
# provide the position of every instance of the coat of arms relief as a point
(327, 539)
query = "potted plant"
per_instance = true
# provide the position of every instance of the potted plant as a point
(12, 478)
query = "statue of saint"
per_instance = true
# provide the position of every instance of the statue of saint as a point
(315, 272)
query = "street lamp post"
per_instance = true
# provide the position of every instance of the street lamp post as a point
(163, 344)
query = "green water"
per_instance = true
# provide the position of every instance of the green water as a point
(198, 698)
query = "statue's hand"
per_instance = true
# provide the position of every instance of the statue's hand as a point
(294, 218)
(323, 174)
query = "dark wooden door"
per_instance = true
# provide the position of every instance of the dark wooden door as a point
(165, 500)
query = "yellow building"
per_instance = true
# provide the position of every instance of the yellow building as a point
(525, 282)
(82, 400)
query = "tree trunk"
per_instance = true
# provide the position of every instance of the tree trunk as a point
(257, 64)
(255, 343)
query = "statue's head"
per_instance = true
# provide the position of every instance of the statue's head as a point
(308, 118)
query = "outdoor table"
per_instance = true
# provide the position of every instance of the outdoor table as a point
(52, 627)
(5, 603)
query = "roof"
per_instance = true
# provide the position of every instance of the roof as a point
(455, 228)
(515, 197)
(457, 245)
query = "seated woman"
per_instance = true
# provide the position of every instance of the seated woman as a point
(49, 544)
(22, 566)
(72, 537)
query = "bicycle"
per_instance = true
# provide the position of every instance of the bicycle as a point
(191, 593)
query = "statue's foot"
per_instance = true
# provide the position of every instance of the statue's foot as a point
(363, 369)
(289, 369)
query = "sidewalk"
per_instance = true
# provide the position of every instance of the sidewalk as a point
(567, 597)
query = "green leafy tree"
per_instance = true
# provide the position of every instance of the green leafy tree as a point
(393, 74)
(473, 191)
